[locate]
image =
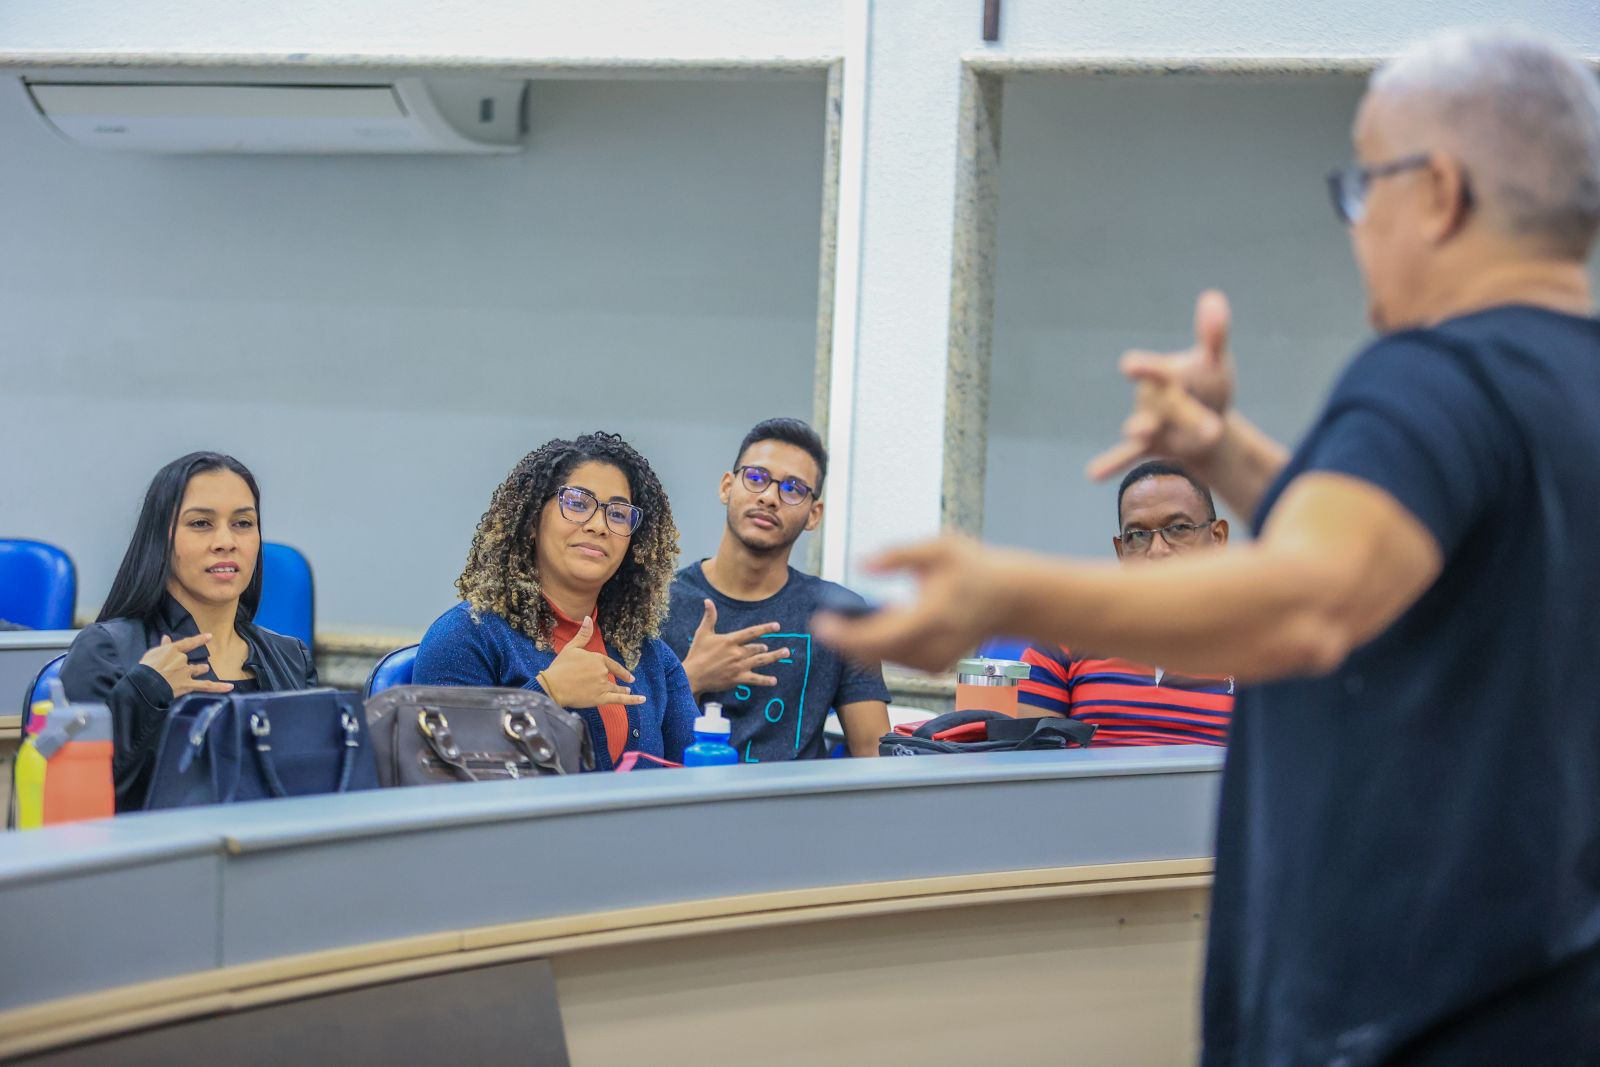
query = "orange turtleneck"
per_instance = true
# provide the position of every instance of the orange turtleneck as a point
(614, 717)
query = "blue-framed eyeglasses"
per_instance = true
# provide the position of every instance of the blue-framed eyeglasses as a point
(790, 490)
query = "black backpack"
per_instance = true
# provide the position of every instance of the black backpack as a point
(984, 731)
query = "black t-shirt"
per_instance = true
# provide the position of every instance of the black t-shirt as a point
(1411, 845)
(785, 721)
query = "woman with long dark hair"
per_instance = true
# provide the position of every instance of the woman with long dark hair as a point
(564, 592)
(178, 617)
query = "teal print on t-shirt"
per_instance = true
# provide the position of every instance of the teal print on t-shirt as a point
(776, 708)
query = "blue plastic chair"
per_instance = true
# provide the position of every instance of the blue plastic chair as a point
(1003, 648)
(38, 585)
(40, 689)
(392, 670)
(288, 593)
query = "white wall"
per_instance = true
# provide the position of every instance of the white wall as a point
(1121, 199)
(933, 29)
(914, 53)
(382, 339)
(1269, 27)
(897, 297)
(903, 322)
(523, 29)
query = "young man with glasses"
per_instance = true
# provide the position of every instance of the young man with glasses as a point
(1408, 836)
(1163, 513)
(740, 621)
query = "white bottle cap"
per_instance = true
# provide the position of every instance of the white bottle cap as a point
(712, 721)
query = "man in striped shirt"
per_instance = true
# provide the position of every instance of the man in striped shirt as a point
(1162, 511)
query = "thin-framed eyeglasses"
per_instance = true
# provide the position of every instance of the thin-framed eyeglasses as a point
(577, 504)
(791, 491)
(1178, 535)
(1348, 186)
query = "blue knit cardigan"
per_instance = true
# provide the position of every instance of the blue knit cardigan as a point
(460, 651)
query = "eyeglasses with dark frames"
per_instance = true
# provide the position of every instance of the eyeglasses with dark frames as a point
(578, 504)
(1348, 186)
(791, 491)
(1178, 535)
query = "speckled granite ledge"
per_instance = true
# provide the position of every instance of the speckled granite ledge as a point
(1045, 62)
(528, 66)
(972, 273)
(936, 692)
(1003, 63)
(345, 659)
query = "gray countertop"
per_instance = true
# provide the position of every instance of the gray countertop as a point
(154, 895)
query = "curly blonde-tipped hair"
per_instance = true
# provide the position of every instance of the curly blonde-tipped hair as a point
(502, 573)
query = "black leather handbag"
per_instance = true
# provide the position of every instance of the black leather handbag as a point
(431, 734)
(221, 748)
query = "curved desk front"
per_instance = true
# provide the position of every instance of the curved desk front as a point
(1016, 907)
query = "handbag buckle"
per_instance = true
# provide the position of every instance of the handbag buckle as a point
(352, 730)
(436, 728)
(260, 729)
(522, 727)
(197, 735)
(523, 730)
(516, 724)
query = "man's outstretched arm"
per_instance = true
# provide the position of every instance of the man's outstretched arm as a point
(1340, 560)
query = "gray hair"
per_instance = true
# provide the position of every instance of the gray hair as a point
(1522, 115)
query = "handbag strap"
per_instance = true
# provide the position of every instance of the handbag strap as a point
(352, 741)
(633, 761)
(435, 729)
(1040, 732)
(523, 730)
(952, 719)
(261, 735)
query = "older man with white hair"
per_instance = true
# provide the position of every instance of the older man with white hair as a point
(1408, 856)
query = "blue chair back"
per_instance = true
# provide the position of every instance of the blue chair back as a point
(1003, 648)
(38, 585)
(40, 689)
(392, 670)
(288, 594)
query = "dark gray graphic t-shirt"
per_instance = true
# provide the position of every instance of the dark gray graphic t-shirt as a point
(785, 721)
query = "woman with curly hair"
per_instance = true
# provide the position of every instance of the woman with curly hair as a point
(564, 591)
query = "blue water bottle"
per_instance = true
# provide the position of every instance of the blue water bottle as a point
(710, 748)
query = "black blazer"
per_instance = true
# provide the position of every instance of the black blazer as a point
(103, 665)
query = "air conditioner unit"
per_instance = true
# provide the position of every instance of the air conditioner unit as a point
(407, 115)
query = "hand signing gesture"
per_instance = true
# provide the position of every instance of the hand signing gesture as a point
(170, 659)
(959, 603)
(716, 662)
(1179, 398)
(578, 678)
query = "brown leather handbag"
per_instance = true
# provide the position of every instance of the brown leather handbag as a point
(429, 734)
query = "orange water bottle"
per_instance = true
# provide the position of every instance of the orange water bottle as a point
(63, 772)
(989, 684)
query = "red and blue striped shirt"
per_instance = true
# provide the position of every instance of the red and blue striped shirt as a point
(1129, 703)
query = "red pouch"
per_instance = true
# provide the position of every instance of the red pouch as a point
(642, 761)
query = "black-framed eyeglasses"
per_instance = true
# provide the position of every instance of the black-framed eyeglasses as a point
(1348, 186)
(790, 490)
(577, 504)
(1178, 535)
